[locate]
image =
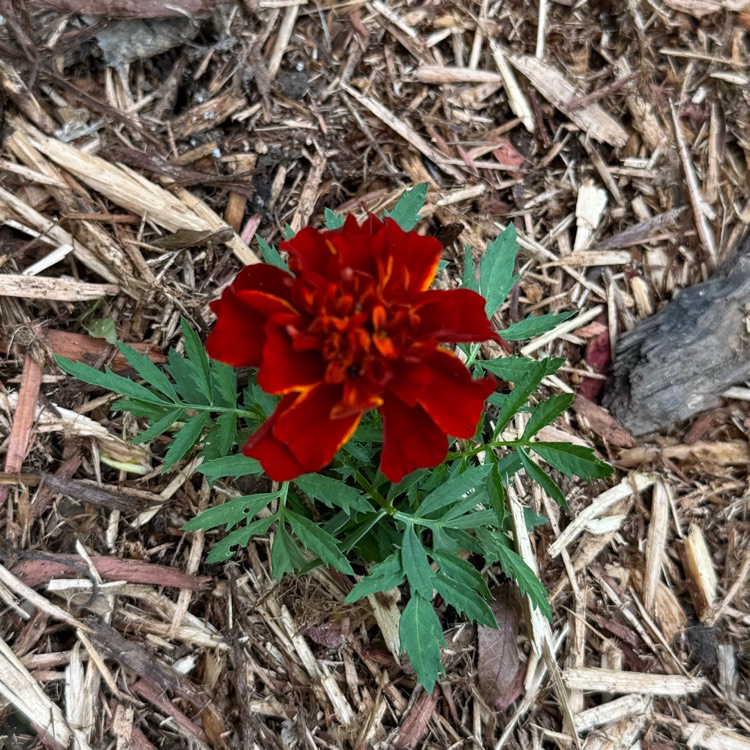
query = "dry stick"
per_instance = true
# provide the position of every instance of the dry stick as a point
(406, 132)
(696, 199)
(23, 420)
(282, 40)
(742, 577)
(52, 288)
(657, 537)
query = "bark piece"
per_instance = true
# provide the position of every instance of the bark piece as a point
(678, 362)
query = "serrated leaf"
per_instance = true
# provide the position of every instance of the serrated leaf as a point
(332, 492)
(406, 211)
(461, 571)
(421, 637)
(454, 489)
(147, 370)
(514, 567)
(232, 512)
(415, 563)
(238, 539)
(515, 369)
(534, 325)
(286, 556)
(197, 357)
(465, 601)
(496, 494)
(184, 440)
(545, 412)
(469, 277)
(187, 380)
(229, 466)
(537, 474)
(319, 542)
(332, 219)
(223, 384)
(520, 394)
(270, 254)
(472, 520)
(382, 577)
(572, 459)
(159, 427)
(220, 438)
(110, 381)
(496, 277)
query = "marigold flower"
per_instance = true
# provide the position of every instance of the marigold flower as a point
(354, 327)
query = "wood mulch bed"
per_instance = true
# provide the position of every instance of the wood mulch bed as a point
(140, 155)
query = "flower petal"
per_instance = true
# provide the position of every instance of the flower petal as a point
(242, 310)
(310, 254)
(453, 316)
(308, 430)
(411, 440)
(284, 369)
(453, 398)
(274, 456)
(418, 256)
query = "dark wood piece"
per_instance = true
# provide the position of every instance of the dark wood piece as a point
(678, 362)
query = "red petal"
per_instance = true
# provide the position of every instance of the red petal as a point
(275, 457)
(310, 253)
(453, 316)
(238, 336)
(453, 398)
(284, 369)
(308, 429)
(418, 255)
(411, 440)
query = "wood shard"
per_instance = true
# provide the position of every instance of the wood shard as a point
(699, 572)
(642, 683)
(558, 91)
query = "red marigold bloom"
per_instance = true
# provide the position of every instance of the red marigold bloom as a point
(354, 327)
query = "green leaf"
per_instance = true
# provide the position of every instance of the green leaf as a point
(546, 412)
(543, 479)
(270, 254)
(382, 577)
(319, 542)
(187, 379)
(332, 492)
(159, 427)
(415, 563)
(469, 278)
(238, 539)
(496, 277)
(572, 459)
(110, 381)
(496, 494)
(332, 219)
(229, 466)
(465, 601)
(223, 384)
(288, 232)
(220, 438)
(514, 567)
(534, 325)
(515, 369)
(232, 512)
(462, 572)
(421, 638)
(472, 520)
(454, 489)
(147, 370)
(519, 395)
(406, 211)
(102, 328)
(184, 440)
(286, 556)
(196, 355)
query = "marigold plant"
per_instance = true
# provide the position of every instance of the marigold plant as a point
(357, 378)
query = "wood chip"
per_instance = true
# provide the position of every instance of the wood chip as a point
(699, 572)
(607, 680)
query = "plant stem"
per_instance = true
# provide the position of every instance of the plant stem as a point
(386, 505)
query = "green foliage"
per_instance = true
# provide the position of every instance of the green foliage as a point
(433, 533)
(406, 211)
(496, 277)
